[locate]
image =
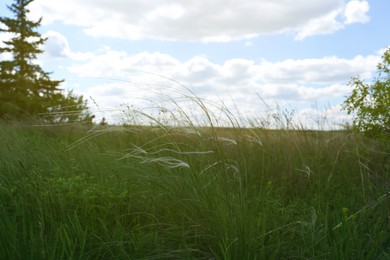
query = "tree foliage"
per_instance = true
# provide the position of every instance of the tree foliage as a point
(370, 103)
(26, 90)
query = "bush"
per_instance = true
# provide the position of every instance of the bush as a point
(371, 102)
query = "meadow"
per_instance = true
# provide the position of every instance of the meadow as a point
(192, 192)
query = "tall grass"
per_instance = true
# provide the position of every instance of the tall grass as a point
(181, 188)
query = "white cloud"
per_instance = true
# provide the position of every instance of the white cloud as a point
(170, 11)
(302, 93)
(200, 71)
(56, 46)
(123, 78)
(356, 12)
(326, 24)
(204, 20)
(110, 63)
(317, 71)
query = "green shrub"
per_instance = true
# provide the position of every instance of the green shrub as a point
(371, 102)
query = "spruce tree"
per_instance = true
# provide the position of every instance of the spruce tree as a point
(25, 89)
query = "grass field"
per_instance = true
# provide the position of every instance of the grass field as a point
(110, 192)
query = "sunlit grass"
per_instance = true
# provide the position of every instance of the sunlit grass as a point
(192, 183)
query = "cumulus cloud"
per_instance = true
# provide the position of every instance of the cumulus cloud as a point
(326, 24)
(317, 71)
(356, 12)
(123, 78)
(56, 46)
(203, 20)
(199, 69)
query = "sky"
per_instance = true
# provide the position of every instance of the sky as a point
(252, 58)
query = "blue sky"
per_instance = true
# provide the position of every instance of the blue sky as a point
(297, 55)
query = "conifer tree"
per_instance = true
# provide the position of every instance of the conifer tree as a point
(25, 89)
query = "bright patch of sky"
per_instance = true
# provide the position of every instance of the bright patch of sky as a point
(247, 55)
